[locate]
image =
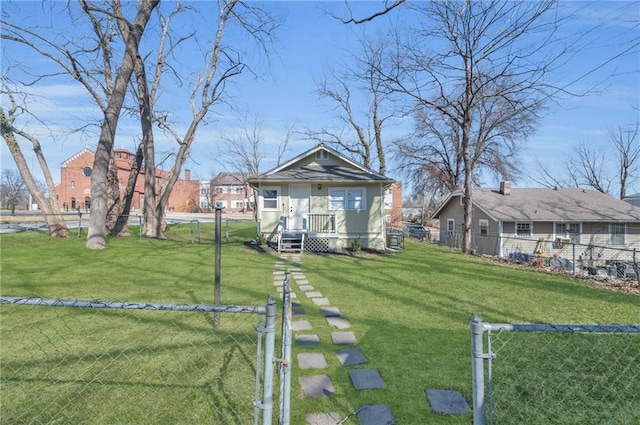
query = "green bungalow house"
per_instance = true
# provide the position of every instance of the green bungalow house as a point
(321, 201)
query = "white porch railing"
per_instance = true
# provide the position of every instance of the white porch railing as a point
(320, 223)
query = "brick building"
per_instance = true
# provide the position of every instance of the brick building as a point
(74, 189)
(231, 192)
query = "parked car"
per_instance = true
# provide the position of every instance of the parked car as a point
(416, 231)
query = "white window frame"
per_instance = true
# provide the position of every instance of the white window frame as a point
(237, 190)
(451, 225)
(263, 199)
(614, 236)
(574, 236)
(529, 226)
(221, 189)
(483, 225)
(348, 201)
(238, 204)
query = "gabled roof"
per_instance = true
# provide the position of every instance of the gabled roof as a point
(344, 170)
(229, 179)
(552, 205)
(76, 156)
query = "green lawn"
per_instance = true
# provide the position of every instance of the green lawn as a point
(409, 311)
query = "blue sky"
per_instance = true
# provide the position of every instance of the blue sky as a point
(310, 42)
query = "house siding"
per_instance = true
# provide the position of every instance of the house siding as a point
(502, 240)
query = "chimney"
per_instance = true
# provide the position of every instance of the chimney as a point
(505, 188)
(187, 175)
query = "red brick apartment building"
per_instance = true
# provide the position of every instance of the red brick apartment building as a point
(231, 192)
(74, 190)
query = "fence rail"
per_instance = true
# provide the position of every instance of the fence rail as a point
(75, 361)
(560, 374)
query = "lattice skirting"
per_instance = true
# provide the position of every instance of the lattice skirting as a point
(317, 244)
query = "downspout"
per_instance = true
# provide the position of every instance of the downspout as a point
(500, 240)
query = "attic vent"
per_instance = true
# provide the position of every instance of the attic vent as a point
(322, 155)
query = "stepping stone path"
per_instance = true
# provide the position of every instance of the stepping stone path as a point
(320, 385)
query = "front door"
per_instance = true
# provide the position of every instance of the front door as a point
(299, 195)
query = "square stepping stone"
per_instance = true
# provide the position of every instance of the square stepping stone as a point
(323, 418)
(313, 294)
(297, 276)
(375, 414)
(350, 357)
(302, 281)
(296, 303)
(311, 361)
(297, 311)
(316, 386)
(305, 287)
(301, 325)
(307, 340)
(343, 338)
(447, 402)
(330, 311)
(366, 379)
(321, 301)
(339, 322)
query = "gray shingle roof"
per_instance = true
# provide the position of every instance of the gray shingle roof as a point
(544, 204)
(229, 179)
(321, 173)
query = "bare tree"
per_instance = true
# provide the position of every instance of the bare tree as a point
(49, 204)
(482, 67)
(88, 60)
(222, 65)
(599, 165)
(13, 191)
(627, 147)
(361, 136)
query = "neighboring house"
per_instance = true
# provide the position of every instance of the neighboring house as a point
(231, 192)
(633, 199)
(510, 220)
(74, 189)
(322, 201)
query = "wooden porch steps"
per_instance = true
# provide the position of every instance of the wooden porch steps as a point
(291, 242)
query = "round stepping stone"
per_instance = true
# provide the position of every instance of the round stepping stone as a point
(350, 357)
(316, 386)
(307, 340)
(343, 338)
(311, 361)
(323, 418)
(366, 379)
(375, 414)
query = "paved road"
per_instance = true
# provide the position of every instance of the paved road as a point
(22, 223)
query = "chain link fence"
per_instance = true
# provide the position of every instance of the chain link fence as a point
(81, 362)
(555, 374)
(557, 255)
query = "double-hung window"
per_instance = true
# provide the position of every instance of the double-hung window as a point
(484, 227)
(451, 225)
(616, 233)
(568, 230)
(347, 199)
(523, 229)
(270, 198)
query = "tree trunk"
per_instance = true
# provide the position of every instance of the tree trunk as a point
(122, 224)
(52, 216)
(96, 237)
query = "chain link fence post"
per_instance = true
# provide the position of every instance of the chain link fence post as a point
(269, 348)
(477, 367)
(285, 365)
